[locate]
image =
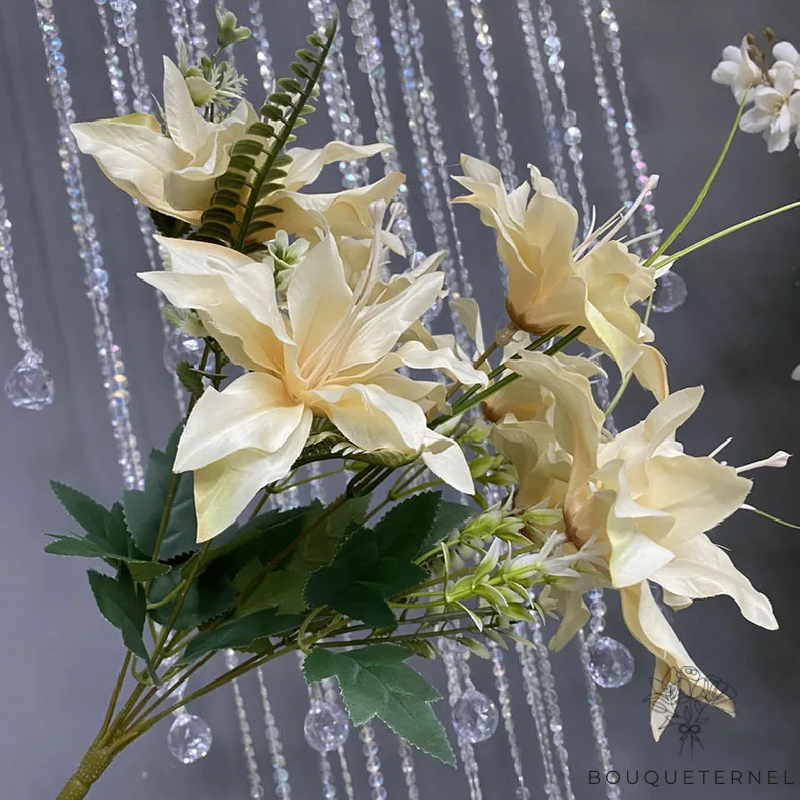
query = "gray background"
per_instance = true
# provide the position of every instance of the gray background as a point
(737, 334)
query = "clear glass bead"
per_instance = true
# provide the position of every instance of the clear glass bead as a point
(475, 717)
(189, 738)
(326, 727)
(572, 136)
(611, 664)
(29, 385)
(180, 347)
(670, 293)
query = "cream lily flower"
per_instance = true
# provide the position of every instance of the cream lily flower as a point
(650, 502)
(776, 110)
(552, 283)
(172, 172)
(332, 355)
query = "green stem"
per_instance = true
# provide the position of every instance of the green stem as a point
(651, 261)
(112, 703)
(94, 763)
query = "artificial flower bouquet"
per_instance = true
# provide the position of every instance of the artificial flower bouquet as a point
(483, 489)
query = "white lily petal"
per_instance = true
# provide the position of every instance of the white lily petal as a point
(469, 312)
(445, 459)
(186, 127)
(416, 356)
(307, 164)
(223, 489)
(253, 412)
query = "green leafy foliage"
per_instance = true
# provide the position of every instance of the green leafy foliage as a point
(189, 377)
(144, 509)
(373, 565)
(239, 208)
(284, 586)
(168, 226)
(123, 603)
(107, 536)
(241, 633)
(376, 682)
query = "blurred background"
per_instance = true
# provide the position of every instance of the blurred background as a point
(738, 334)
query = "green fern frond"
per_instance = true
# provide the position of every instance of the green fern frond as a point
(258, 165)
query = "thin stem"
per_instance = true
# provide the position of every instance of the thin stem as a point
(703, 192)
(161, 603)
(112, 703)
(312, 478)
(264, 497)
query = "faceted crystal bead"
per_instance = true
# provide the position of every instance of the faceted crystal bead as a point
(180, 347)
(610, 663)
(189, 738)
(670, 293)
(326, 726)
(29, 384)
(475, 716)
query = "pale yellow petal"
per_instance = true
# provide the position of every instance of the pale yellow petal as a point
(416, 356)
(702, 569)
(186, 127)
(445, 459)
(307, 164)
(223, 489)
(469, 312)
(254, 412)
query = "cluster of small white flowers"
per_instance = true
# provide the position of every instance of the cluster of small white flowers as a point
(773, 91)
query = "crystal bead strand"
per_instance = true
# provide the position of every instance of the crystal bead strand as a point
(611, 664)
(370, 749)
(283, 790)
(455, 16)
(412, 99)
(598, 719)
(341, 108)
(264, 52)
(197, 30)
(569, 117)
(29, 385)
(671, 290)
(113, 369)
(503, 694)
(253, 775)
(331, 696)
(553, 709)
(533, 696)
(409, 770)
(179, 26)
(555, 144)
(450, 656)
(371, 63)
(610, 121)
(434, 129)
(325, 770)
(125, 21)
(484, 43)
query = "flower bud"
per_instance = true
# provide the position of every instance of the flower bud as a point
(228, 30)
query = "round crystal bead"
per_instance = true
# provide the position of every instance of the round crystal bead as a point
(180, 347)
(189, 738)
(475, 716)
(29, 385)
(326, 727)
(670, 293)
(611, 664)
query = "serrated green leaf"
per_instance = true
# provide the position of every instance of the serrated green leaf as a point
(241, 633)
(270, 112)
(248, 147)
(290, 85)
(299, 70)
(260, 225)
(144, 509)
(284, 587)
(79, 547)
(373, 565)
(261, 129)
(189, 378)
(450, 517)
(375, 681)
(208, 597)
(88, 513)
(124, 605)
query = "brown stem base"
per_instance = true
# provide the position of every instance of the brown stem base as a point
(92, 766)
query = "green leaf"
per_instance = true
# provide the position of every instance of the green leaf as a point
(88, 513)
(450, 517)
(141, 570)
(188, 376)
(241, 633)
(208, 597)
(124, 605)
(376, 682)
(373, 565)
(284, 587)
(144, 509)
